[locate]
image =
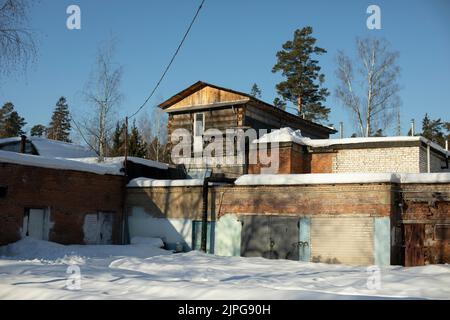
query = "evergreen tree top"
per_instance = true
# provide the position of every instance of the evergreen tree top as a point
(303, 82)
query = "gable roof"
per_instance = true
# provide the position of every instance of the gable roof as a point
(246, 98)
(52, 148)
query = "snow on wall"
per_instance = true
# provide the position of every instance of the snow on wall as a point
(441, 177)
(316, 178)
(147, 182)
(342, 178)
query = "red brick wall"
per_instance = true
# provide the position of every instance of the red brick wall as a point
(368, 199)
(69, 195)
(291, 160)
(428, 205)
(322, 162)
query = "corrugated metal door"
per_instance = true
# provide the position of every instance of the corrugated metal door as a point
(347, 240)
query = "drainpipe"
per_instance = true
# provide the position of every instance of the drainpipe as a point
(125, 227)
(446, 156)
(204, 215)
(23, 143)
(428, 158)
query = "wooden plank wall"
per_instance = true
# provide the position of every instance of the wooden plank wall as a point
(206, 96)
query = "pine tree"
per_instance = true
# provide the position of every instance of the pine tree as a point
(255, 91)
(11, 124)
(38, 130)
(303, 84)
(434, 130)
(59, 127)
(118, 147)
(5, 112)
(136, 145)
(280, 104)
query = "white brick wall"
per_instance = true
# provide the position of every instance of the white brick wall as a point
(401, 159)
(396, 159)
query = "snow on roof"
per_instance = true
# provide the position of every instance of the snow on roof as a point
(57, 163)
(341, 178)
(54, 148)
(289, 135)
(9, 140)
(117, 162)
(147, 182)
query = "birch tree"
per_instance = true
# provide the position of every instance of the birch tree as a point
(154, 132)
(103, 95)
(17, 44)
(368, 85)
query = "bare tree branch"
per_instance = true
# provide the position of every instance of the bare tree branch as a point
(17, 44)
(377, 94)
(102, 93)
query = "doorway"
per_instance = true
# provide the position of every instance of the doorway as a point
(36, 223)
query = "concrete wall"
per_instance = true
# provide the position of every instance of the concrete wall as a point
(68, 196)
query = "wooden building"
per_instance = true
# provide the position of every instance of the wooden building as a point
(204, 106)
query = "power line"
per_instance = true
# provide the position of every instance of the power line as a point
(82, 135)
(171, 61)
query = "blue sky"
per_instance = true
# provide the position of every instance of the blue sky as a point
(232, 44)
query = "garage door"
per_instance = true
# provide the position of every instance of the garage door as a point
(342, 240)
(272, 237)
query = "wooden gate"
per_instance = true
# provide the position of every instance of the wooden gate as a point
(414, 235)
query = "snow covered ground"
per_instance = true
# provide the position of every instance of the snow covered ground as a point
(31, 269)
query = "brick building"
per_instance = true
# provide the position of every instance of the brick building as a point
(69, 201)
(299, 154)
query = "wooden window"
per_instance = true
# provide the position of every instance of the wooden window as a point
(199, 124)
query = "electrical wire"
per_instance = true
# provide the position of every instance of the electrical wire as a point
(171, 61)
